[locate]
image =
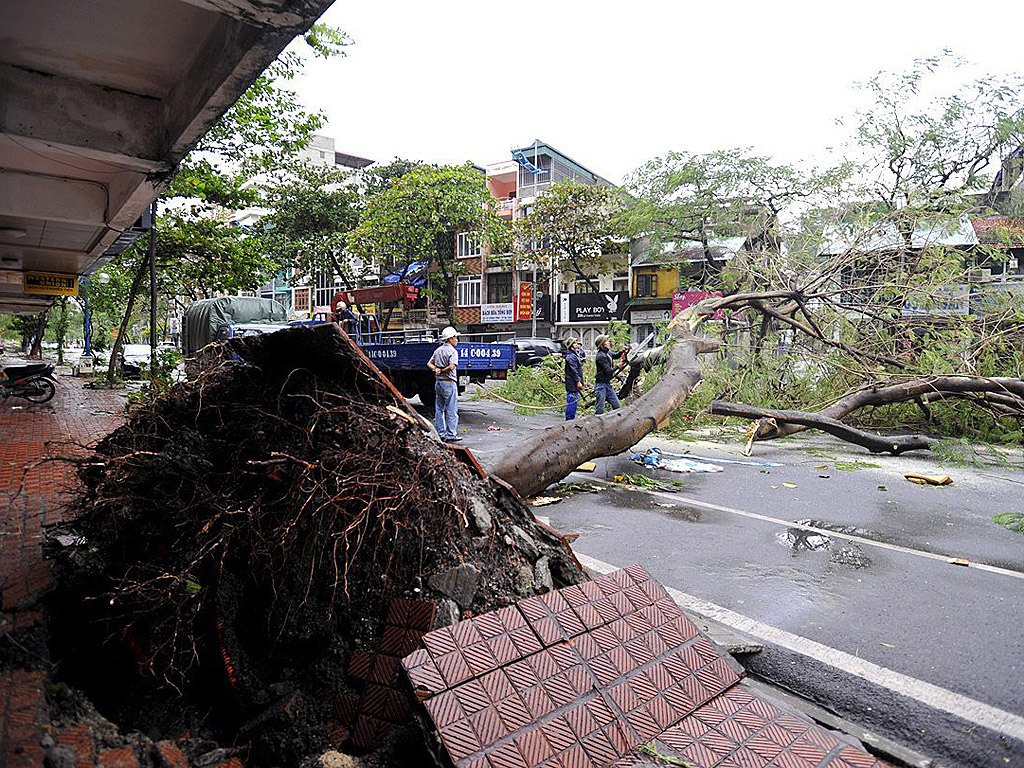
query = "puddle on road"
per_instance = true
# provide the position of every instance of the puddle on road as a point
(840, 551)
(627, 499)
(686, 514)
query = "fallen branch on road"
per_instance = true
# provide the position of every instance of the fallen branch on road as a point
(770, 418)
(1003, 396)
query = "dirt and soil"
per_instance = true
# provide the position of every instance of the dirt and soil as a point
(243, 535)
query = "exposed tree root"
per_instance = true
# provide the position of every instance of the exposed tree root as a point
(246, 533)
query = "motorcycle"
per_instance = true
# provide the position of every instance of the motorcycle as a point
(31, 382)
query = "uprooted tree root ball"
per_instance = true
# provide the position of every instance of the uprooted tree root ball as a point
(240, 538)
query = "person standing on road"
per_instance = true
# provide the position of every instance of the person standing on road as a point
(605, 373)
(573, 377)
(445, 363)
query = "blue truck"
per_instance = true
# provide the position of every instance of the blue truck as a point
(401, 355)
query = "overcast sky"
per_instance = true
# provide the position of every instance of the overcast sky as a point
(613, 85)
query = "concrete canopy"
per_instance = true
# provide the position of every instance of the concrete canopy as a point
(99, 101)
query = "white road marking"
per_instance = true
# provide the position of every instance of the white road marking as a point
(971, 710)
(823, 531)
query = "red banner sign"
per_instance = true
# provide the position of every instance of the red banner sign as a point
(684, 299)
(524, 307)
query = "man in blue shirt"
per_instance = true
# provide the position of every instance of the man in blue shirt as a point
(573, 376)
(445, 363)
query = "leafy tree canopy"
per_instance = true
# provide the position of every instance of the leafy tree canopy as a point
(379, 178)
(417, 217)
(719, 194)
(574, 226)
(312, 213)
(924, 144)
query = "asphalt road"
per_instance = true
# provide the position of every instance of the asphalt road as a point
(855, 559)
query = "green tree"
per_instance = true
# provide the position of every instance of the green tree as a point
(378, 178)
(417, 218)
(198, 256)
(197, 251)
(574, 227)
(727, 193)
(923, 146)
(313, 209)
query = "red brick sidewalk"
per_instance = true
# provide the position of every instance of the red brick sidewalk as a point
(33, 492)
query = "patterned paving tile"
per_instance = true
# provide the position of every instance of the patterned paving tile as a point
(743, 729)
(573, 677)
(586, 675)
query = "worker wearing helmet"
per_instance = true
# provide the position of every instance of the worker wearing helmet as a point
(445, 363)
(344, 316)
(573, 376)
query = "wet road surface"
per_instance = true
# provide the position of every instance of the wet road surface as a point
(856, 559)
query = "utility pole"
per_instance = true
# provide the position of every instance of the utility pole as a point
(152, 290)
(533, 293)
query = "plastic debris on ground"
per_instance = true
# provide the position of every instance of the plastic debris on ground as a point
(543, 501)
(493, 428)
(710, 460)
(654, 459)
(586, 466)
(914, 477)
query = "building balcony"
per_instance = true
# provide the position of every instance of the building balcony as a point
(505, 208)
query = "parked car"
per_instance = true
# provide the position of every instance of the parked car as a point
(133, 357)
(531, 350)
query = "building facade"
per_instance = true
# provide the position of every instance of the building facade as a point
(495, 292)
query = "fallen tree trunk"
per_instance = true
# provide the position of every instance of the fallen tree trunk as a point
(1004, 396)
(873, 442)
(533, 465)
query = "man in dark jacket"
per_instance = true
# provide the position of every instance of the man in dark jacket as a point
(605, 372)
(573, 377)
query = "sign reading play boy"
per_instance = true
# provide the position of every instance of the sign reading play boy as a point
(596, 307)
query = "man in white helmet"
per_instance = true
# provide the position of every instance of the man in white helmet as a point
(445, 363)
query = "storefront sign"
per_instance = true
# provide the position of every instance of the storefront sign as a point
(497, 313)
(649, 316)
(542, 308)
(996, 297)
(50, 283)
(949, 301)
(596, 307)
(524, 307)
(685, 299)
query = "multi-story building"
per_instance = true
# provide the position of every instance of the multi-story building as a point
(672, 276)
(492, 290)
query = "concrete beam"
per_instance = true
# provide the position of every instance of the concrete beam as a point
(275, 13)
(53, 198)
(91, 120)
(232, 57)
